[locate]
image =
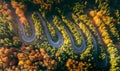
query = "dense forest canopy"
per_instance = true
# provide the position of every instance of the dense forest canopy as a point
(53, 6)
(59, 35)
(52, 3)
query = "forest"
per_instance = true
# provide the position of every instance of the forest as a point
(59, 35)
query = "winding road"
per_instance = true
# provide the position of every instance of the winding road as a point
(60, 38)
(99, 64)
(75, 48)
(21, 27)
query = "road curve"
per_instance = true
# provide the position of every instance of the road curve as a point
(21, 27)
(75, 48)
(99, 64)
(60, 38)
(105, 61)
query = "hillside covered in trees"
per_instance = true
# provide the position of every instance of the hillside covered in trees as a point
(59, 35)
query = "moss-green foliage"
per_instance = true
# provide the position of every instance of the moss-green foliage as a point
(7, 33)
